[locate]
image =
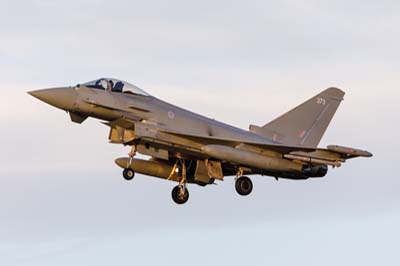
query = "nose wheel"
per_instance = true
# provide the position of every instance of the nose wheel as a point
(244, 186)
(128, 174)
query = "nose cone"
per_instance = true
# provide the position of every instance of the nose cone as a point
(63, 98)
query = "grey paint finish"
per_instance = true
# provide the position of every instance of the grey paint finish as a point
(306, 124)
(285, 147)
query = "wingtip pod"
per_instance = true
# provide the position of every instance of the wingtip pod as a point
(349, 151)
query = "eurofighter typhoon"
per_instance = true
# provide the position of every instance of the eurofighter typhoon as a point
(188, 148)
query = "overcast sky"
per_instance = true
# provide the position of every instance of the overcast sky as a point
(63, 201)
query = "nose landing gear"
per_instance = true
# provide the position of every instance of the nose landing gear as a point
(128, 174)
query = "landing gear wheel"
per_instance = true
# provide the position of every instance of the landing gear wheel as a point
(180, 195)
(128, 174)
(244, 186)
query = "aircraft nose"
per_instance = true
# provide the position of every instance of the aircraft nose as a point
(63, 98)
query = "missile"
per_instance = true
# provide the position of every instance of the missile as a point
(150, 167)
(311, 160)
(251, 159)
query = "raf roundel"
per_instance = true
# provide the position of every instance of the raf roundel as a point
(171, 114)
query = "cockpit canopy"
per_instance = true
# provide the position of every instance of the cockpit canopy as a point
(115, 85)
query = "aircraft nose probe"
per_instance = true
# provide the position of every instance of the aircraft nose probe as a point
(63, 98)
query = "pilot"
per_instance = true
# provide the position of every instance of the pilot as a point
(110, 85)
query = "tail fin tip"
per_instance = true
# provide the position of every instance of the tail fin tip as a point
(334, 92)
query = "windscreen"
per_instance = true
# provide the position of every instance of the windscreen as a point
(115, 85)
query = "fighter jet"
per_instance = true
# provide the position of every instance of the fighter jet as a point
(188, 148)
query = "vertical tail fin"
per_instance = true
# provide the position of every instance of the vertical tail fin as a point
(306, 124)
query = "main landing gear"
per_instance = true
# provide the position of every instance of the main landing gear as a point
(180, 193)
(243, 184)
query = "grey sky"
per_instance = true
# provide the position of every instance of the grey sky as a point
(64, 202)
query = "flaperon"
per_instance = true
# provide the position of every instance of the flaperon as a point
(189, 148)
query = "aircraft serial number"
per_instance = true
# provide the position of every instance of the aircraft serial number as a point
(321, 101)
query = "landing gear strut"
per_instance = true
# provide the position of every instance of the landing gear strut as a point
(128, 173)
(180, 194)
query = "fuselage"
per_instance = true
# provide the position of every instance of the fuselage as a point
(190, 148)
(149, 109)
(139, 119)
